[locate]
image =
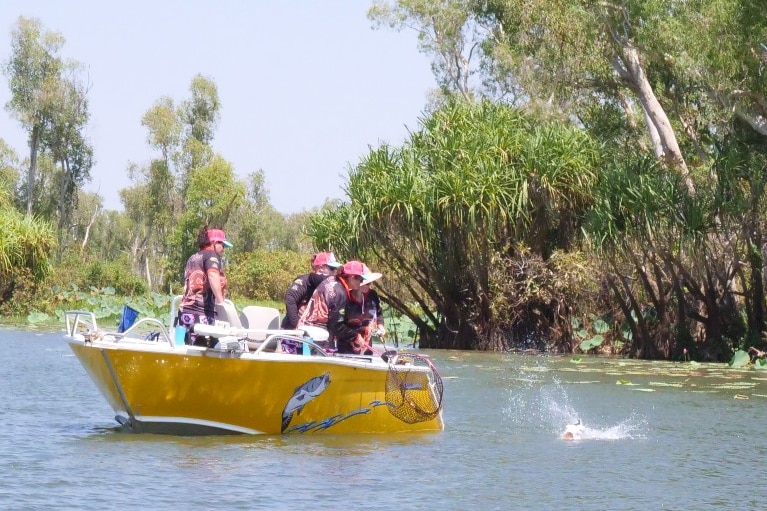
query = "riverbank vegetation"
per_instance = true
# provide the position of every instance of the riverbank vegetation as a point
(588, 177)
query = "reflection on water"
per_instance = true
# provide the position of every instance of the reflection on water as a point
(654, 435)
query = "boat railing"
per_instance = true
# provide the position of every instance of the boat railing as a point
(81, 322)
(308, 338)
(274, 343)
(152, 322)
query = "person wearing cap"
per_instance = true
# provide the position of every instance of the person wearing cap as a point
(333, 307)
(302, 288)
(371, 303)
(203, 287)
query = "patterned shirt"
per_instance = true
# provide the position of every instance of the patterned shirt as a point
(198, 296)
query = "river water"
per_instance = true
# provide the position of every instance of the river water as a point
(656, 435)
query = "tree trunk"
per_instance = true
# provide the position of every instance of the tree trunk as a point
(659, 127)
(34, 141)
(88, 228)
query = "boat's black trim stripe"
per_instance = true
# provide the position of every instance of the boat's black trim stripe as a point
(113, 374)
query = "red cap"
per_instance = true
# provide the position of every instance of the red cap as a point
(325, 259)
(215, 235)
(354, 268)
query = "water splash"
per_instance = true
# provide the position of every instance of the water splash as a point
(537, 404)
(629, 429)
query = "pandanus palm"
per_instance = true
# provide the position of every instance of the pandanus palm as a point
(26, 249)
(475, 181)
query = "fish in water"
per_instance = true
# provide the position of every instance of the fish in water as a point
(574, 431)
(302, 395)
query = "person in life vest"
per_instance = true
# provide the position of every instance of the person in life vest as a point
(203, 287)
(334, 307)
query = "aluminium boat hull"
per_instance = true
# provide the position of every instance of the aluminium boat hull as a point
(157, 388)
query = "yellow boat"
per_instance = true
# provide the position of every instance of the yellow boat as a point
(244, 384)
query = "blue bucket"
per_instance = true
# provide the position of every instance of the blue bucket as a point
(129, 317)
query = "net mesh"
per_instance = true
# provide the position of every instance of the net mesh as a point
(414, 395)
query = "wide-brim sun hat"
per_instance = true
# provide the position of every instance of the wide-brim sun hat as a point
(371, 277)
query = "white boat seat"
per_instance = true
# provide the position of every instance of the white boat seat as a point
(228, 312)
(174, 303)
(264, 318)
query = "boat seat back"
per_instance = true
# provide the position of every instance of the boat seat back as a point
(174, 303)
(228, 312)
(255, 316)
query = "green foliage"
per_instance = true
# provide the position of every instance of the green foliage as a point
(26, 250)
(265, 274)
(445, 208)
(25, 243)
(105, 303)
(592, 332)
(37, 317)
(97, 273)
(739, 359)
(114, 274)
(399, 328)
(9, 174)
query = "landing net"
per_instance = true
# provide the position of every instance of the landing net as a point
(413, 395)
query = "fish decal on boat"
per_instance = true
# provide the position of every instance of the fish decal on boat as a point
(302, 395)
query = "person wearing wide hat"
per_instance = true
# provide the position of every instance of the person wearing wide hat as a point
(371, 304)
(333, 307)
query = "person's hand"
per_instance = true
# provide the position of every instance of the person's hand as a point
(380, 331)
(360, 344)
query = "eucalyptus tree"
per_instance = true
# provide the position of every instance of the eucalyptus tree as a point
(199, 116)
(70, 150)
(159, 200)
(477, 187)
(255, 224)
(34, 71)
(693, 73)
(447, 30)
(683, 82)
(212, 195)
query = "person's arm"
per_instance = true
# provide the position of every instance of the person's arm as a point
(337, 326)
(293, 297)
(215, 285)
(379, 316)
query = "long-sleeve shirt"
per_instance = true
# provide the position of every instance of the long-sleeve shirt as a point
(298, 296)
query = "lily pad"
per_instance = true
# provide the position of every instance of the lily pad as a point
(591, 343)
(600, 326)
(739, 359)
(37, 317)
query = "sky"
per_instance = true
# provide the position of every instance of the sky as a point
(306, 87)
